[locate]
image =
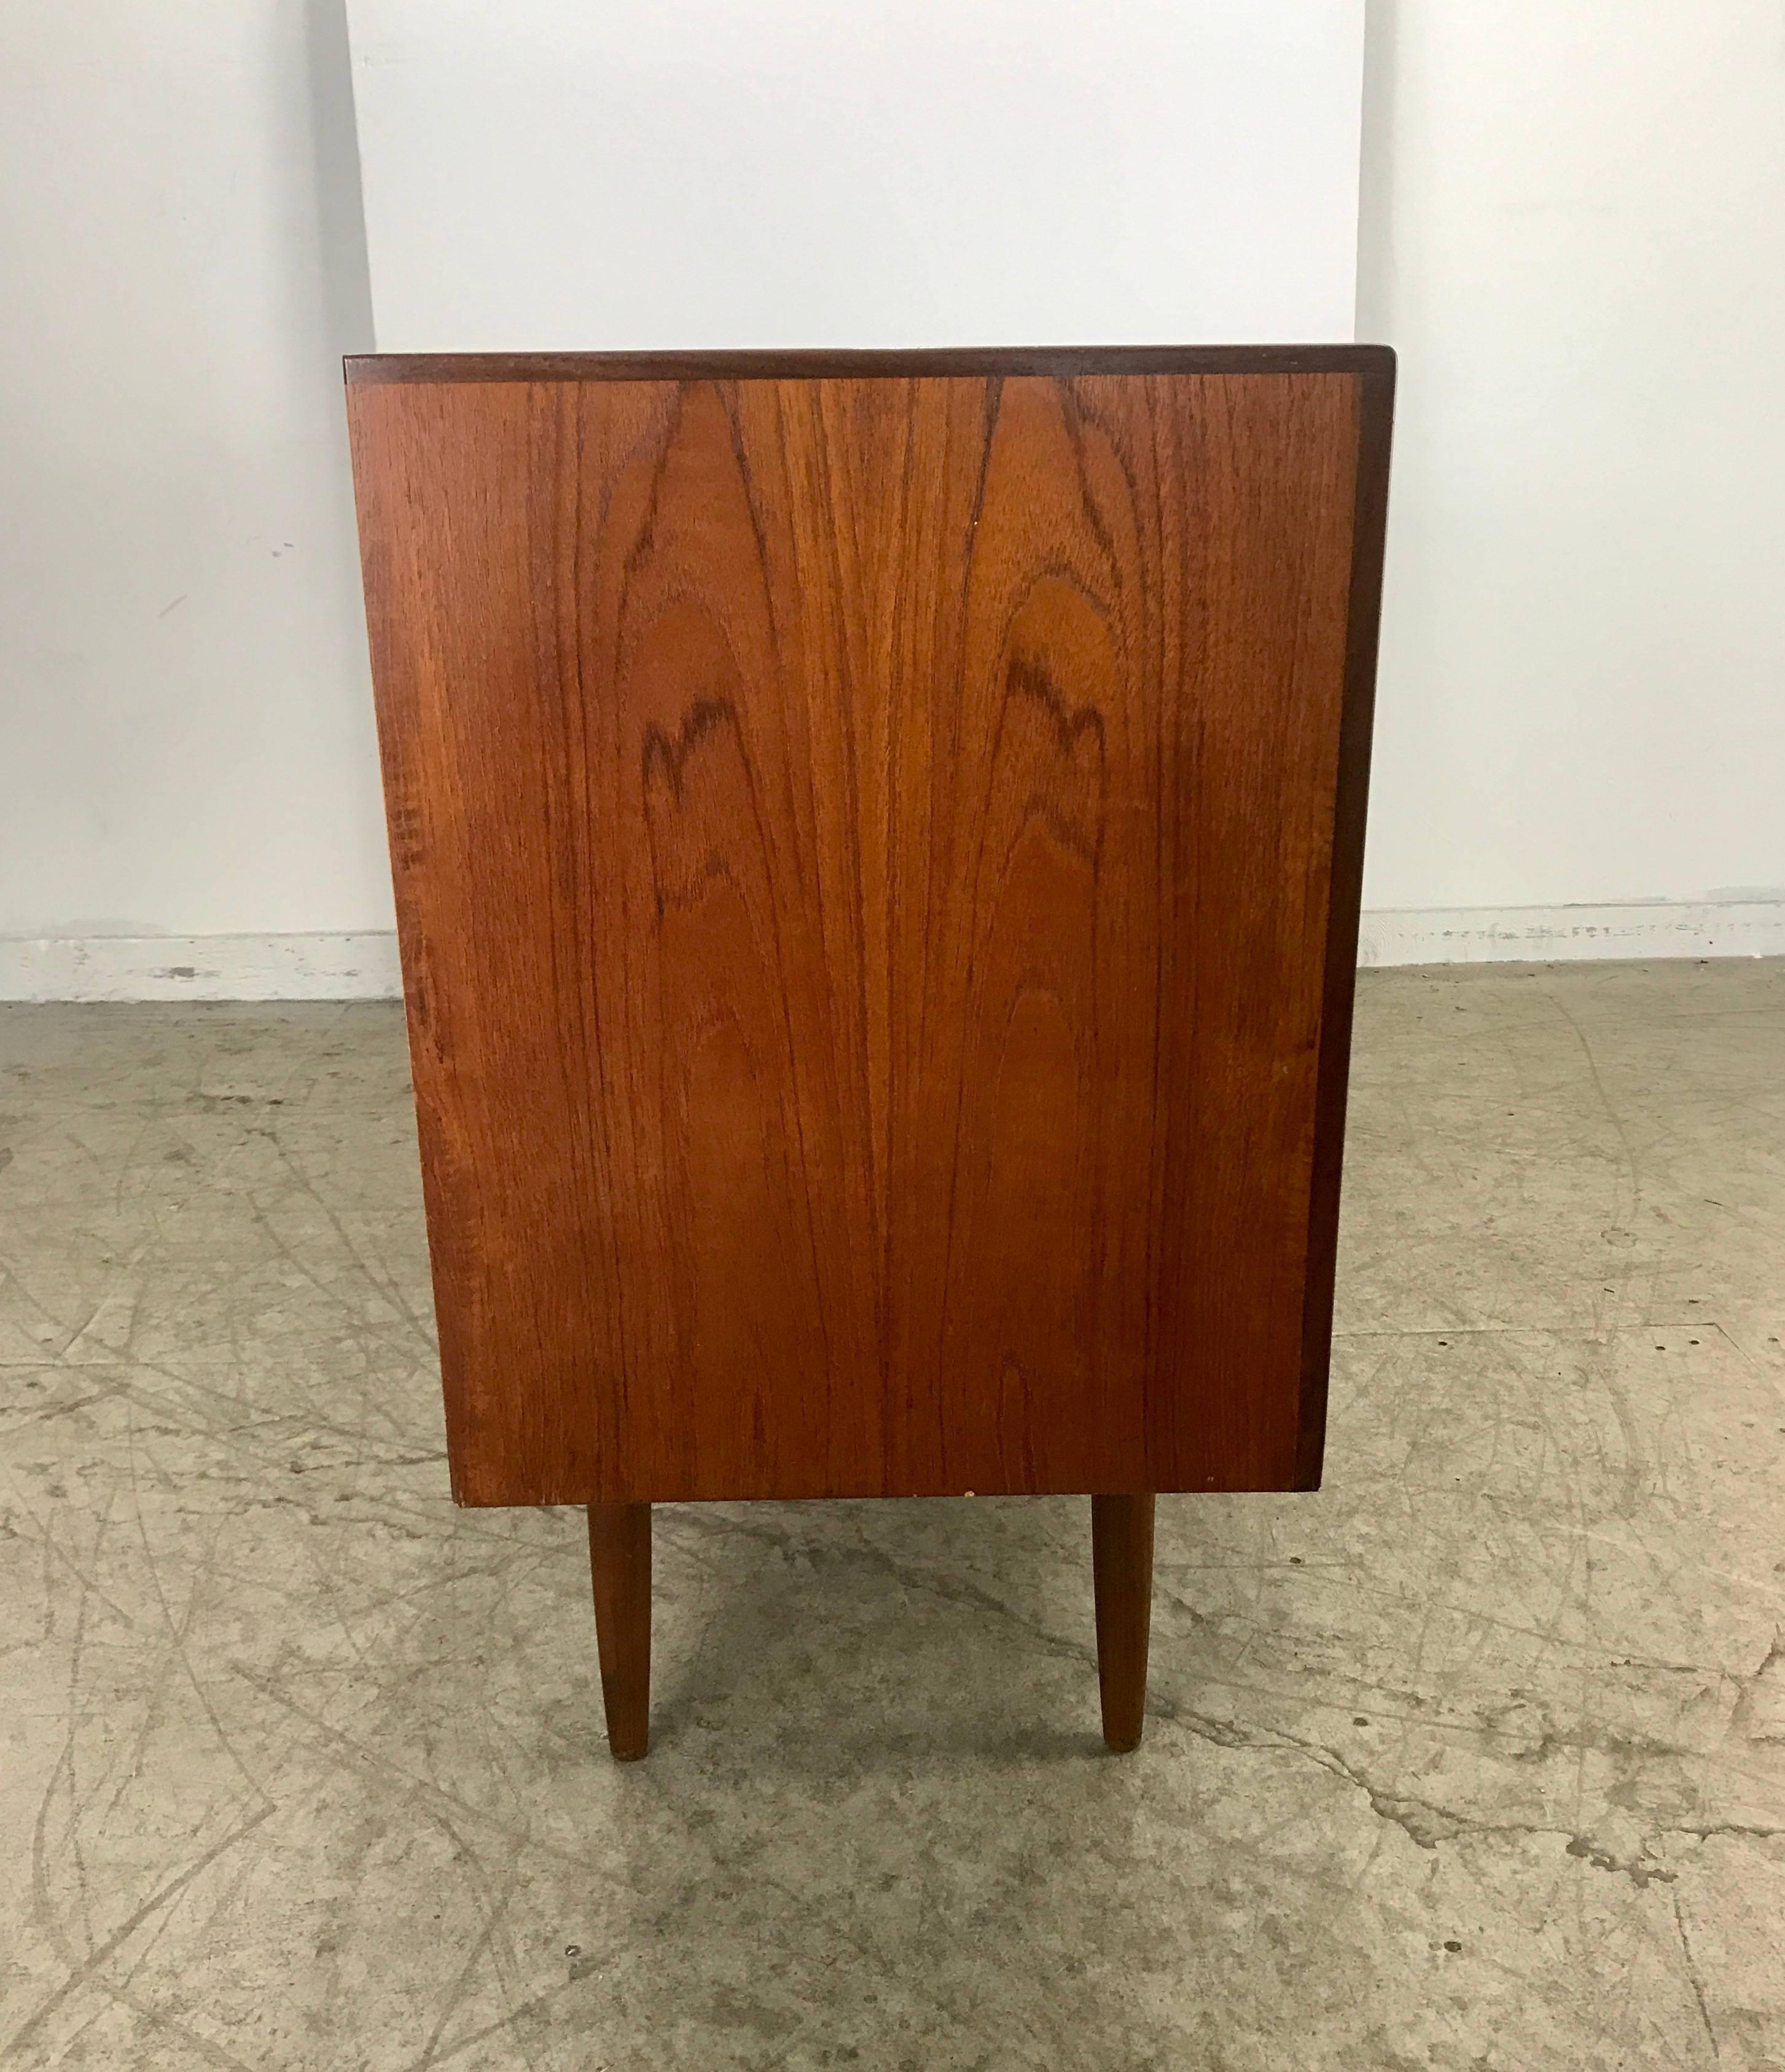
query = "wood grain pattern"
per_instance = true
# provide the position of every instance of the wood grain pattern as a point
(875, 856)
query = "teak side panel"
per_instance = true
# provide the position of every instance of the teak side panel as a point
(865, 850)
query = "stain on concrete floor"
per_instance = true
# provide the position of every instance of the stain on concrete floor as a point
(1475, 1759)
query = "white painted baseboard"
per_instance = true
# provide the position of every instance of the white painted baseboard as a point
(363, 967)
(1567, 935)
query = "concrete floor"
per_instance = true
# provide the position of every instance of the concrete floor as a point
(1476, 1759)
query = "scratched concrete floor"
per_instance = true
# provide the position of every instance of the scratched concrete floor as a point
(1475, 1759)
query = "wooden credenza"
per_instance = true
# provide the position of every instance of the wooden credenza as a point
(876, 841)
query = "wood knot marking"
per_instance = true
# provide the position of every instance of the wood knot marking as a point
(704, 716)
(688, 852)
(1028, 678)
(1068, 799)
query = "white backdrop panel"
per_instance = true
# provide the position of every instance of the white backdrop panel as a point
(555, 173)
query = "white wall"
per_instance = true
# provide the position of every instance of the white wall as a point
(186, 743)
(1573, 229)
(690, 173)
(1573, 226)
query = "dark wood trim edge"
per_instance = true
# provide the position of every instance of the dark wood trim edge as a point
(1056, 362)
(1375, 407)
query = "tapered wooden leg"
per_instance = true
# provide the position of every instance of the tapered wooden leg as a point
(1121, 1568)
(620, 1560)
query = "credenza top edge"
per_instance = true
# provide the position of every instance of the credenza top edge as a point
(1054, 362)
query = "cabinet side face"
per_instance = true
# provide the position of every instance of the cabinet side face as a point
(869, 854)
